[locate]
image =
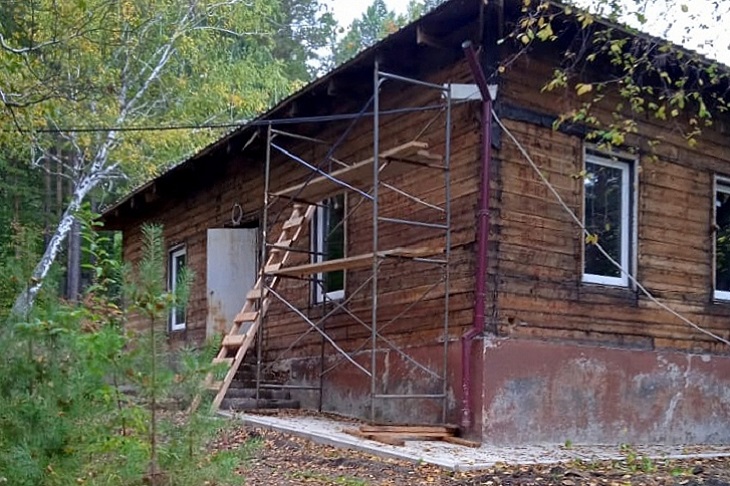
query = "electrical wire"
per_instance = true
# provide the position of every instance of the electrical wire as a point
(252, 123)
(587, 233)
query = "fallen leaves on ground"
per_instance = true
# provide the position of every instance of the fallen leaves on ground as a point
(280, 459)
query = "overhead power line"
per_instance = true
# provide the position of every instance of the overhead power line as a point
(252, 123)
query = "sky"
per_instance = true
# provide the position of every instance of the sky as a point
(672, 23)
(347, 10)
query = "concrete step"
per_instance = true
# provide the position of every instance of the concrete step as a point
(252, 404)
(235, 392)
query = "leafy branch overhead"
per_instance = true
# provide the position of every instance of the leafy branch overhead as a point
(376, 23)
(642, 77)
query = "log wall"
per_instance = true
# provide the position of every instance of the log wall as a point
(187, 217)
(538, 279)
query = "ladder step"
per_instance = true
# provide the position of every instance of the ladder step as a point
(233, 341)
(255, 294)
(246, 317)
(228, 361)
(272, 268)
(293, 222)
(281, 245)
(215, 386)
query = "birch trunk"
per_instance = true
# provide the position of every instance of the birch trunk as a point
(25, 300)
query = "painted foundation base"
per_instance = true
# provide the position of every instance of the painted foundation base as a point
(346, 388)
(536, 392)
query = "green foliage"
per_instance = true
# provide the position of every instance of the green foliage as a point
(108, 66)
(376, 23)
(82, 401)
(305, 29)
(102, 254)
(53, 385)
(17, 257)
(636, 462)
(642, 77)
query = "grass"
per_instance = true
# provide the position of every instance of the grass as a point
(330, 480)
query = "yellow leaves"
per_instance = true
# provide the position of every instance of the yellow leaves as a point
(583, 88)
(585, 19)
(559, 80)
(235, 100)
(546, 32)
(591, 239)
(527, 37)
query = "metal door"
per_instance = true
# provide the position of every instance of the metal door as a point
(231, 272)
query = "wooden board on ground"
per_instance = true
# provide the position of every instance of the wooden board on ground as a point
(392, 162)
(398, 434)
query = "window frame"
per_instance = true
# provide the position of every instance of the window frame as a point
(318, 241)
(627, 166)
(719, 183)
(172, 257)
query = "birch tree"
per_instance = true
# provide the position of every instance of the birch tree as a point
(125, 64)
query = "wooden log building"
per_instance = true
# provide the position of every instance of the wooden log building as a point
(392, 255)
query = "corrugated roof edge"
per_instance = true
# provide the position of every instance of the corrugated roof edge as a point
(277, 107)
(267, 115)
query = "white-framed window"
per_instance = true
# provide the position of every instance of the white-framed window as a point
(176, 262)
(608, 215)
(328, 243)
(721, 249)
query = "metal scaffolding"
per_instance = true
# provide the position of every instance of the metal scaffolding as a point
(368, 180)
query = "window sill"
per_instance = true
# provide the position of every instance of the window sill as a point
(330, 298)
(613, 282)
(595, 291)
(721, 297)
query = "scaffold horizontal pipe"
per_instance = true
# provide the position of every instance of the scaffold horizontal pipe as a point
(413, 223)
(399, 397)
(417, 82)
(299, 137)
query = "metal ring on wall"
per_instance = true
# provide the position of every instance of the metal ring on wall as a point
(236, 214)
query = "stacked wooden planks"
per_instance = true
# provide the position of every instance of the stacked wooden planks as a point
(397, 435)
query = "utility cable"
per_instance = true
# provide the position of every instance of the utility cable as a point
(252, 123)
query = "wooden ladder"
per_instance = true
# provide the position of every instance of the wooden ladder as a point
(248, 320)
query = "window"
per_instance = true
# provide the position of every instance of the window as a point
(175, 266)
(722, 239)
(328, 243)
(607, 215)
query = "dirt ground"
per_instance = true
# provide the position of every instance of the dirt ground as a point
(280, 459)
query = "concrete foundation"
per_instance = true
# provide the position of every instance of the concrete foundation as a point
(537, 392)
(346, 389)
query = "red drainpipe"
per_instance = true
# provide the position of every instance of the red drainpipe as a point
(482, 237)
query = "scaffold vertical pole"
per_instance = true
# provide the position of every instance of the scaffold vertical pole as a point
(447, 266)
(262, 262)
(374, 299)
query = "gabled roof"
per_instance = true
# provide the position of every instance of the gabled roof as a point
(406, 51)
(444, 22)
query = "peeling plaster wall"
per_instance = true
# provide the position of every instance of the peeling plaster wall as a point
(346, 389)
(538, 392)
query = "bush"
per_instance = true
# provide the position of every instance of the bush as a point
(82, 401)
